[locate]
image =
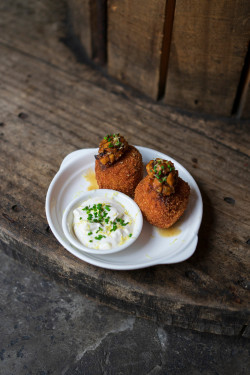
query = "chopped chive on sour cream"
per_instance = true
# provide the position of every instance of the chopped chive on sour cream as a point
(102, 223)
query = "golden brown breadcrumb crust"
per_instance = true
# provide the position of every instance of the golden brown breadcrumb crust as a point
(124, 175)
(162, 211)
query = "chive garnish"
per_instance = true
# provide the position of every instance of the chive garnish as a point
(100, 237)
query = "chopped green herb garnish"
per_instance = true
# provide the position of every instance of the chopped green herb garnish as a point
(99, 229)
(99, 213)
(124, 224)
(114, 227)
(130, 235)
(99, 237)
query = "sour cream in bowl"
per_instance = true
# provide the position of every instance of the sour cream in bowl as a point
(102, 221)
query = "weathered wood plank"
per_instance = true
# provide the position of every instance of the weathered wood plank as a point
(46, 106)
(16, 31)
(49, 109)
(244, 108)
(138, 44)
(87, 22)
(242, 103)
(208, 48)
(80, 21)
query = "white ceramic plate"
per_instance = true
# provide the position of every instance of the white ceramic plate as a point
(152, 247)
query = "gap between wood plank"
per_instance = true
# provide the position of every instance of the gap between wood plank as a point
(241, 95)
(166, 43)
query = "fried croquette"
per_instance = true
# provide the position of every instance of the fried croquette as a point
(118, 165)
(161, 207)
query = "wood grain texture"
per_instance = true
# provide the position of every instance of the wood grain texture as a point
(208, 48)
(50, 106)
(244, 107)
(87, 23)
(136, 43)
(80, 19)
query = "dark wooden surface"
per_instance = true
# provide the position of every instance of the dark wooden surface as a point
(86, 23)
(138, 48)
(208, 49)
(244, 106)
(52, 105)
(197, 53)
(79, 23)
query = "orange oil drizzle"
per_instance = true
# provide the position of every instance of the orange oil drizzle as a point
(170, 232)
(90, 177)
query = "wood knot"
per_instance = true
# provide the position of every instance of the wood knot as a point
(22, 115)
(229, 200)
(192, 275)
(16, 208)
(245, 284)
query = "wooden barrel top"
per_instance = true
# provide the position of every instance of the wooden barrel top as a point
(52, 105)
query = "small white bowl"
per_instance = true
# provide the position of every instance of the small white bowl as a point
(128, 203)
